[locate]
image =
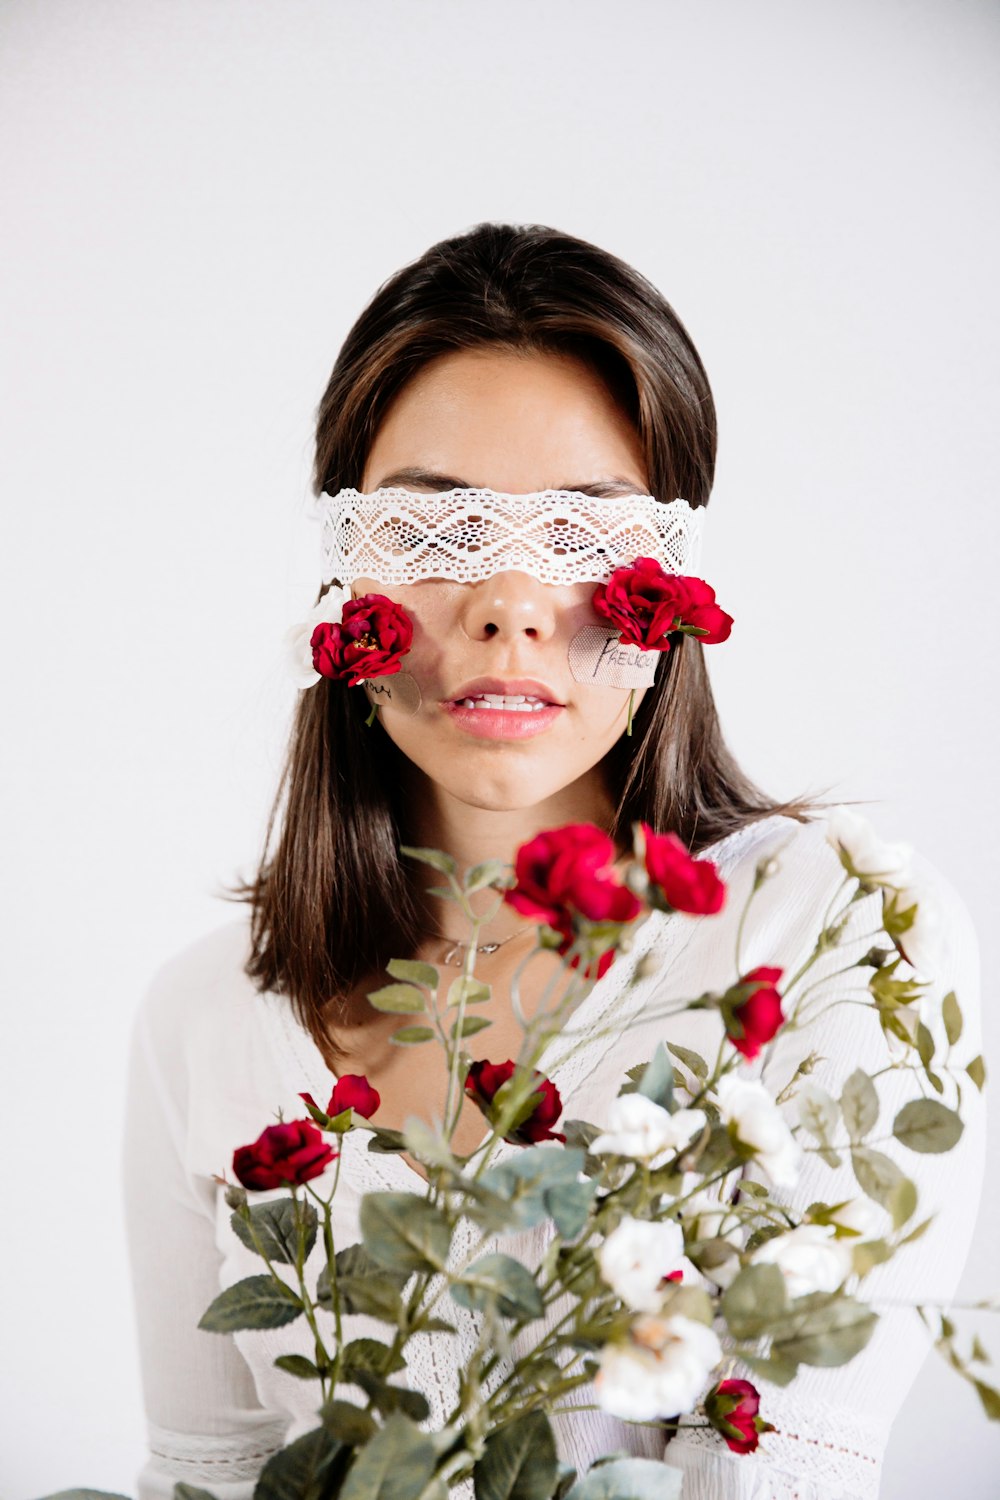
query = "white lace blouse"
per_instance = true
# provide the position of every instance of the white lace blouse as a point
(212, 1060)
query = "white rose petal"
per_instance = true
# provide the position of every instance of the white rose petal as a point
(810, 1258)
(758, 1124)
(662, 1373)
(882, 863)
(920, 944)
(861, 1215)
(298, 653)
(645, 1131)
(637, 1255)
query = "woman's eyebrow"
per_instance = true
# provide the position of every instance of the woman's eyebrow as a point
(613, 485)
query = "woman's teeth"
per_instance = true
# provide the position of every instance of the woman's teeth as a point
(517, 702)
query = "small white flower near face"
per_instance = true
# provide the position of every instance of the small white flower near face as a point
(878, 862)
(637, 1258)
(810, 1258)
(756, 1123)
(645, 1131)
(661, 1372)
(298, 652)
(862, 1218)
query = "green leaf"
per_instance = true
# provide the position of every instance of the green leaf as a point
(397, 1464)
(828, 1330)
(569, 1204)
(919, 1231)
(468, 1026)
(977, 1072)
(691, 1060)
(410, 1036)
(113, 1495)
(364, 1285)
(427, 1144)
(523, 1182)
(754, 1299)
(990, 1399)
(902, 1203)
(629, 1479)
(415, 971)
(388, 1398)
(779, 1371)
(657, 1082)
(480, 876)
(385, 1141)
(878, 1175)
(256, 1302)
(859, 1104)
(472, 991)
(436, 858)
(182, 1491)
(951, 1014)
(926, 1125)
(819, 1112)
(349, 1423)
(498, 1281)
(312, 1465)
(399, 999)
(519, 1461)
(297, 1364)
(275, 1225)
(869, 1254)
(371, 1355)
(404, 1232)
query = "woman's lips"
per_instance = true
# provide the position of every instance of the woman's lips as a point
(490, 723)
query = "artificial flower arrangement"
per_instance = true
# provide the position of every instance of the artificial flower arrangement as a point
(672, 1262)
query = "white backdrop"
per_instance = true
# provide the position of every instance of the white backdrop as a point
(200, 198)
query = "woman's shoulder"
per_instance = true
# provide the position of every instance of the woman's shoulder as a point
(201, 987)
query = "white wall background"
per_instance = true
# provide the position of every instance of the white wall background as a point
(200, 197)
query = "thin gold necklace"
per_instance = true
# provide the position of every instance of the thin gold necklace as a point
(484, 948)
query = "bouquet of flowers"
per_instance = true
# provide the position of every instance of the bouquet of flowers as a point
(661, 1283)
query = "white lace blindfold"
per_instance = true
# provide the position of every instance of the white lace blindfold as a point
(467, 535)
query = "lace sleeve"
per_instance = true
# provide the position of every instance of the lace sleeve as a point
(205, 1424)
(833, 1424)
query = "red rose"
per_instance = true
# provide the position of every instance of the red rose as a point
(732, 1408)
(288, 1153)
(485, 1079)
(648, 605)
(683, 882)
(374, 633)
(563, 878)
(352, 1091)
(756, 1019)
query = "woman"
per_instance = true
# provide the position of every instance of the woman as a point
(519, 361)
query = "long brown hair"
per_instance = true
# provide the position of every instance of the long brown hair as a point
(333, 901)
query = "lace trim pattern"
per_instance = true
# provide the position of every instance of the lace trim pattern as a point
(465, 535)
(224, 1458)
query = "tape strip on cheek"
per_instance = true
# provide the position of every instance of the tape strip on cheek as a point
(597, 655)
(399, 691)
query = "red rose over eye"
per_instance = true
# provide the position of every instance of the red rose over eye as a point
(485, 1080)
(680, 882)
(753, 1021)
(563, 878)
(732, 1408)
(648, 604)
(289, 1153)
(372, 636)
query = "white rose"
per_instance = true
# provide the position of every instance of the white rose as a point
(752, 1116)
(298, 653)
(636, 1257)
(861, 1216)
(810, 1258)
(920, 944)
(646, 1131)
(870, 856)
(662, 1373)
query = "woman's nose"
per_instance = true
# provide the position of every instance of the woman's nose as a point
(509, 604)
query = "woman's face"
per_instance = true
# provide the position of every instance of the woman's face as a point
(515, 423)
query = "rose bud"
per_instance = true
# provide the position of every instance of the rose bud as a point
(484, 1081)
(732, 1408)
(753, 1021)
(289, 1153)
(353, 1091)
